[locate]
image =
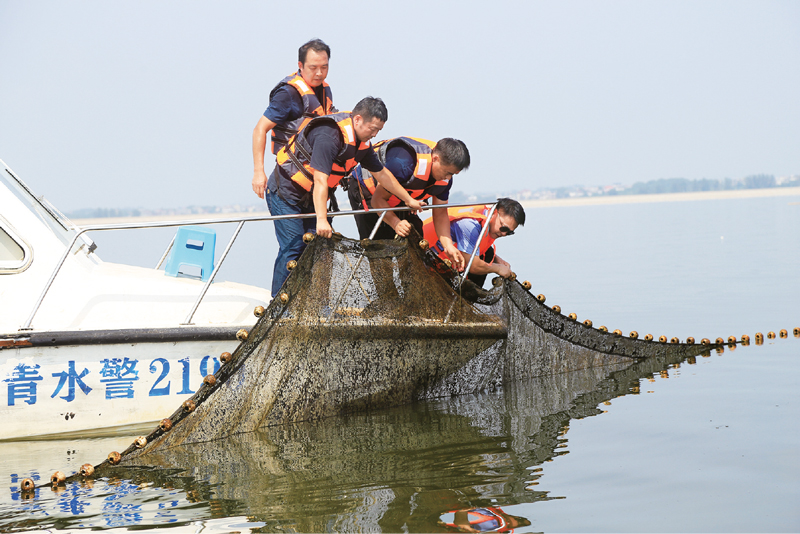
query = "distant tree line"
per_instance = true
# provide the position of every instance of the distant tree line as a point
(102, 213)
(653, 187)
(683, 185)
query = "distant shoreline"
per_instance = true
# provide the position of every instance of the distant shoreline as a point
(549, 203)
(663, 197)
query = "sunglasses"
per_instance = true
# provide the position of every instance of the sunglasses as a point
(505, 229)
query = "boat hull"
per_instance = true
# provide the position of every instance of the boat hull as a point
(91, 388)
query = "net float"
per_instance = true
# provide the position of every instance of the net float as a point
(114, 458)
(496, 282)
(572, 316)
(258, 311)
(27, 484)
(241, 335)
(189, 405)
(731, 339)
(58, 478)
(745, 338)
(796, 332)
(450, 264)
(690, 341)
(87, 470)
(719, 341)
(557, 308)
(588, 322)
(662, 339)
(512, 276)
(771, 335)
(705, 341)
(424, 245)
(675, 340)
(541, 298)
(284, 298)
(634, 334)
(603, 328)
(225, 357)
(140, 442)
(308, 237)
(526, 285)
(618, 332)
(648, 337)
(783, 333)
(165, 425)
(759, 335)
(211, 380)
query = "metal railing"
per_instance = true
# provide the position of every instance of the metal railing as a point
(240, 221)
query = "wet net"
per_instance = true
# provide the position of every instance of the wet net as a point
(361, 325)
(357, 325)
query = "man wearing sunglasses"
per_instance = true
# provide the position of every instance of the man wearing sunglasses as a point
(465, 228)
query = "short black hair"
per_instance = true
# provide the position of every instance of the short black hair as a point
(314, 44)
(371, 107)
(509, 206)
(453, 152)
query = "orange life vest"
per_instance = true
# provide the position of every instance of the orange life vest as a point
(421, 185)
(477, 213)
(294, 159)
(479, 520)
(312, 107)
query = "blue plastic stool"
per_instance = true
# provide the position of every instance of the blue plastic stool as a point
(193, 247)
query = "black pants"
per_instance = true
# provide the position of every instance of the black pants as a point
(365, 223)
(479, 279)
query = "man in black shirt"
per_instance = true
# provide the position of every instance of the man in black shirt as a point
(292, 102)
(314, 161)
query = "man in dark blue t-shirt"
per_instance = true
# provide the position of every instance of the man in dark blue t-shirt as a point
(287, 105)
(325, 143)
(425, 175)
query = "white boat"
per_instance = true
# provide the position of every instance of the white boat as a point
(88, 346)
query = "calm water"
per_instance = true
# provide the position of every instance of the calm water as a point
(707, 445)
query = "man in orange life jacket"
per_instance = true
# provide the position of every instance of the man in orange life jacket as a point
(312, 163)
(465, 228)
(293, 102)
(425, 170)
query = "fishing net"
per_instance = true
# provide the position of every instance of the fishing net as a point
(369, 324)
(358, 324)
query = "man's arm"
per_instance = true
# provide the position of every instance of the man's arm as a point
(380, 199)
(441, 222)
(481, 267)
(387, 180)
(263, 126)
(320, 196)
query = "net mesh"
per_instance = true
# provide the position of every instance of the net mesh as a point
(358, 324)
(370, 324)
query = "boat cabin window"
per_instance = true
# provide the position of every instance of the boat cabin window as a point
(15, 255)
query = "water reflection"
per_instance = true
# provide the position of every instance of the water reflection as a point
(489, 519)
(445, 465)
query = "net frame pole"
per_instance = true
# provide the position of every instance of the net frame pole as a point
(478, 244)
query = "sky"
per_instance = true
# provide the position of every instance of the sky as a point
(152, 104)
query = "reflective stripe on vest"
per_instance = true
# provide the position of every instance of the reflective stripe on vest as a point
(294, 159)
(421, 185)
(477, 213)
(312, 107)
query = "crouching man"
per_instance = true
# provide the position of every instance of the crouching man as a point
(465, 228)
